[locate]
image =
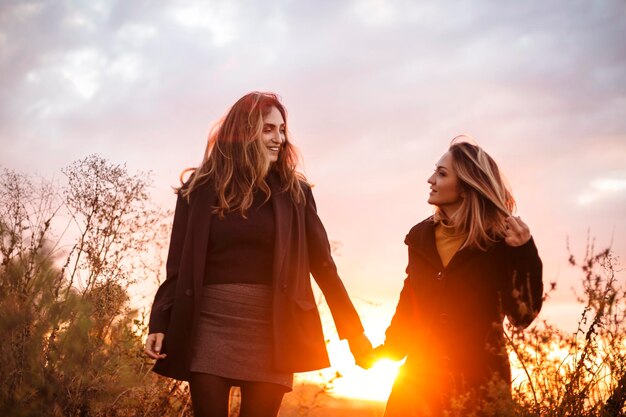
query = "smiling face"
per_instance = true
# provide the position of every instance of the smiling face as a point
(445, 190)
(273, 133)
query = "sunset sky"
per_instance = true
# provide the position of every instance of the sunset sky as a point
(375, 92)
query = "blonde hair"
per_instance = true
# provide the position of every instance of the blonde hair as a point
(487, 201)
(235, 160)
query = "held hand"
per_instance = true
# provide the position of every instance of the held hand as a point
(369, 359)
(361, 349)
(154, 343)
(517, 232)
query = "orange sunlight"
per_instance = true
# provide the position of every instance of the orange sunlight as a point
(374, 384)
(345, 379)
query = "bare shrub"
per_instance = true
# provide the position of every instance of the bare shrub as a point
(584, 373)
(72, 346)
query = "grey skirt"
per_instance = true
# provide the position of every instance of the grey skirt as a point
(234, 337)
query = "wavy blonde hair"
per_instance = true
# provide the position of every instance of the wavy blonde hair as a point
(235, 161)
(487, 201)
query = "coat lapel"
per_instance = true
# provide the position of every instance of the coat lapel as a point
(459, 258)
(205, 199)
(282, 205)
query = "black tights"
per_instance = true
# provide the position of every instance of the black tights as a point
(210, 395)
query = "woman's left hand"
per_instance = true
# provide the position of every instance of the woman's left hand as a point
(517, 232)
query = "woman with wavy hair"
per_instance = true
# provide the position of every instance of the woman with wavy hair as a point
(237, 307)
(470, 264)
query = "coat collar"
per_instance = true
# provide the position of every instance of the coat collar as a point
(421, 239)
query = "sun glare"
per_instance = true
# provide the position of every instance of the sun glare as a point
(374, 384)
(345, 379)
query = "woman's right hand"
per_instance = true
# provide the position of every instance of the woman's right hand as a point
(154, 343)
(517, 232)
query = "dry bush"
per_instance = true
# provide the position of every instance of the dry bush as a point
(72, 346)
(584, 373)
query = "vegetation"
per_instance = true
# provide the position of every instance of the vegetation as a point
(70, 255)
(72, 346)
(584, 373)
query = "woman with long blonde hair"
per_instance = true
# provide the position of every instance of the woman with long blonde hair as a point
(236, 307)
(470, 265)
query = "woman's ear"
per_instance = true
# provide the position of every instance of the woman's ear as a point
(461, 191)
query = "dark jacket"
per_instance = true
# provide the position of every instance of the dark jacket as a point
(301, 249)
(449, 321)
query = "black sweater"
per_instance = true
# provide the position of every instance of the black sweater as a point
(241, 250)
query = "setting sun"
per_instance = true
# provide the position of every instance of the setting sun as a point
(345, 379)
(373, 384)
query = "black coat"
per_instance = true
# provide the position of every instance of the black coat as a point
(301, 248)
(449, 321)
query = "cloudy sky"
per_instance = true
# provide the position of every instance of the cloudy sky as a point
(375, 91)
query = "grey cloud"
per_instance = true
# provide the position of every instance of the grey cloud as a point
(374, 95)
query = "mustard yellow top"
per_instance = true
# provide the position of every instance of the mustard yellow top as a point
(447, 242)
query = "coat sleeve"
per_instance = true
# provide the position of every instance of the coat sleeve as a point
(398, 335)
(522, 295)
(164, 298)
(324, 272)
